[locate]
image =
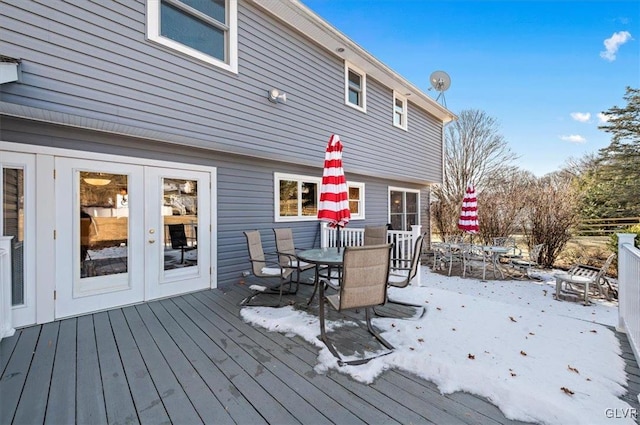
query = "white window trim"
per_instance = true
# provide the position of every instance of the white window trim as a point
(405, 111)
(310, 179)
(361, 215)
(363, 75)
(401, 189)
(153, 34)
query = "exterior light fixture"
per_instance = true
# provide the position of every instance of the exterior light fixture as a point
(276, 97)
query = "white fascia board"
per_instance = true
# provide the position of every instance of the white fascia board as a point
(304, 20)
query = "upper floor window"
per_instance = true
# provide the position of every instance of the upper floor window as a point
(355, 87)
(204, 29)
(297, 197)
(404, 207)
(399, 111)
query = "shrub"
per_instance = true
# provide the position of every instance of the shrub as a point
(613, 240)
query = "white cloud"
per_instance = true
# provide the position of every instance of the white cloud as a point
(613, 43)
(602, 118)
(573, 138)
(581, 116)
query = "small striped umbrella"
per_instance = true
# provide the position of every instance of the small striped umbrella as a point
(334, 195)
(468, 221)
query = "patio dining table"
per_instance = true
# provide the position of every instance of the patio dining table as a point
(328, 258)
(495, 252)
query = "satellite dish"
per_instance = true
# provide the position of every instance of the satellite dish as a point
(440, 81)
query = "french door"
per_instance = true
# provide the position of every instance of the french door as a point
(127, 233)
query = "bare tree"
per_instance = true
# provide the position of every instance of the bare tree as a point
(475, 152)
(502, 204)
(551, 212)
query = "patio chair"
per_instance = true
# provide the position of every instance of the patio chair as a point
(287, 254)
(363, 285)
(179, 240)
(401, 277)
(473, 256)
(375, 235)
(268, 268)
(508, 242)
(582, 280)
(450, 253)
(525, 265)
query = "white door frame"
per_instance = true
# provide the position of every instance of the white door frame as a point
(45, 220)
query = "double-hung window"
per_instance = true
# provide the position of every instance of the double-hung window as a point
(355, 87)
(399, 111)
(356, 200)
(297, 197)
(404, 207)
(204, 29)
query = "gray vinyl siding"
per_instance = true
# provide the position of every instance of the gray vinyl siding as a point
(245, 191)
(91, 59)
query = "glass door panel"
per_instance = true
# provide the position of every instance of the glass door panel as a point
(180, 223)
(13, 225)
(104, 224)
(18, 219)
(99, 206)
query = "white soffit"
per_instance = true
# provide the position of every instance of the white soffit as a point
(304, 20)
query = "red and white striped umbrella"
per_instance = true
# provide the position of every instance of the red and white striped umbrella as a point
(468, 221)
(334, 195)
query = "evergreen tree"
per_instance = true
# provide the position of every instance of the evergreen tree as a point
(612, 184)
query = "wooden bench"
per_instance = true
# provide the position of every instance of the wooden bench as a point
(580, 277)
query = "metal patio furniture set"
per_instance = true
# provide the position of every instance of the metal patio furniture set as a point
(346, 278)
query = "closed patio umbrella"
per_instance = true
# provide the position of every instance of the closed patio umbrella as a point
(468, 221)
(334, 195)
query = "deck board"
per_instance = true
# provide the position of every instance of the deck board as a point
(90, 407)
(143, 391)
(171, 393)
(213, 343)
(33, 401)
(192, 359)
(303, 359)
(204, 401)
(16, 372)
(176, 325)
(265, 367)
(6, 349)
(61, 406)
(117, 398)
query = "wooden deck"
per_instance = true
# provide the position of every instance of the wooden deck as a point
(191, 359)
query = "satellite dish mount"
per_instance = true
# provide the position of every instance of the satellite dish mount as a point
(440, 81)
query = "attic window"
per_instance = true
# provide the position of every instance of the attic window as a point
(355, 87)
(399, 111)
(204, 29)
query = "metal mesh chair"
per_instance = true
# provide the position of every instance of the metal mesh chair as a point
(287, 252)
(375, 235)
(401, 277)
(363, 285)
(267, 267)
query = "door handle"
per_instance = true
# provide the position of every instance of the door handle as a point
(152, 240)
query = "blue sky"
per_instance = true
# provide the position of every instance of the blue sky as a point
(541, 68)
